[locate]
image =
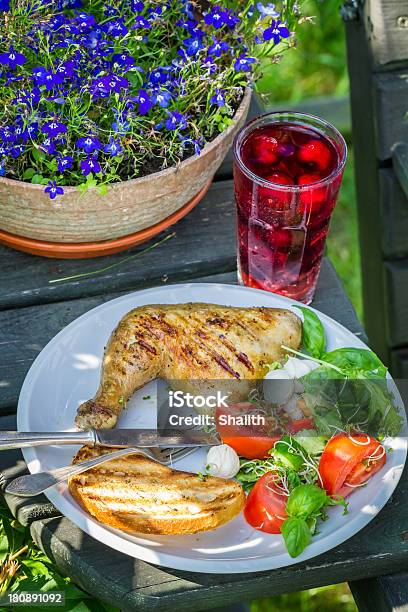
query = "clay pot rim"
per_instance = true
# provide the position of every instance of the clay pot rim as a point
(162, 173)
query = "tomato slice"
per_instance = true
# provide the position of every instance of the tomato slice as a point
(265, 505)
(249, 441)
(349, 461)
(295, 426)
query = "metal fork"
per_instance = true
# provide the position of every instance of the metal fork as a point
(34, 484)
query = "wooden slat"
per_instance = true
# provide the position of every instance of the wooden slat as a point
(334, 110)
(13, 465)
(367, 185)
(387, 31)
(381, 547)
(384, 594)
(400, 165)
(390, 91)
(399, 363)
(204, 242)
(394, 211)
(396, 297)
(25, 331)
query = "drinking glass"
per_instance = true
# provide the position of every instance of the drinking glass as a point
(287, 174)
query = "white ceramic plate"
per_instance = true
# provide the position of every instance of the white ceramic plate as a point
(67, 372)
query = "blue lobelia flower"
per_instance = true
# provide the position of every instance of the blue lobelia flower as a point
(137, 5)
(187, 141)
(116, 27)
(144, 101)
(89, 144)
(140, 22)
(176, 121)
(155, 12)
(12, 58)
(48, 145)
(218, 48)
(32, 130)
(110, 11)
(66, 69)
(113, 148)
(90, 165)
(53, 128)
(216, 17)
(276, 32)
(30, 98)
(123, 59)
(4, 6)
(64, 163)
(85, 21)
(158, 76)
(161, 97)
(230, 19)
(243, 63)
(2, 168)
(267, 9)
(45, 77)
(120, 125)
(218, 98)
(53, 190)
(7, 135)
(17, 150)
(192, 46)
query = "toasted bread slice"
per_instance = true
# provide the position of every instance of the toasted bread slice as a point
(138, 495)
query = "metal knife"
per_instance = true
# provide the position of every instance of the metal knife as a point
(143, 438)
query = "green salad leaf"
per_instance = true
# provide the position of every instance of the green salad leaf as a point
(355, 362)
(296, 534)
(306, 500)
(351, 398)
(306, 503)
(313, 336)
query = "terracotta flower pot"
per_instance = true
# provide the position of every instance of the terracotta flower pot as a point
(76, 225)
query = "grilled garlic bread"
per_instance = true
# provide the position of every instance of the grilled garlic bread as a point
(191, 344)
(138, 495)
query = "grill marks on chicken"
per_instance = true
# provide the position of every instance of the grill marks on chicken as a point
(186, 342)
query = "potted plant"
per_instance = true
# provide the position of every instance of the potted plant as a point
(116, 115)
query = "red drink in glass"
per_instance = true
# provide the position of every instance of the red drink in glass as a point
(287, 173)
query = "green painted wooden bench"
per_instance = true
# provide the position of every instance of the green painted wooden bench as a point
(32, 311)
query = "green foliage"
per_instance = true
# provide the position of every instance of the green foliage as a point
(305, 505)
(26, 568)
(318, 66)
(296, 534)
(313, 336)
(336, 598)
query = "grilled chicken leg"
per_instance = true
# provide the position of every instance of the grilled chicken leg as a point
(187, 342)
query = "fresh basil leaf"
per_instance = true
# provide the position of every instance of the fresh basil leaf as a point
(313, 336)
(306, 500)
(355, 360)
(296, 534)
